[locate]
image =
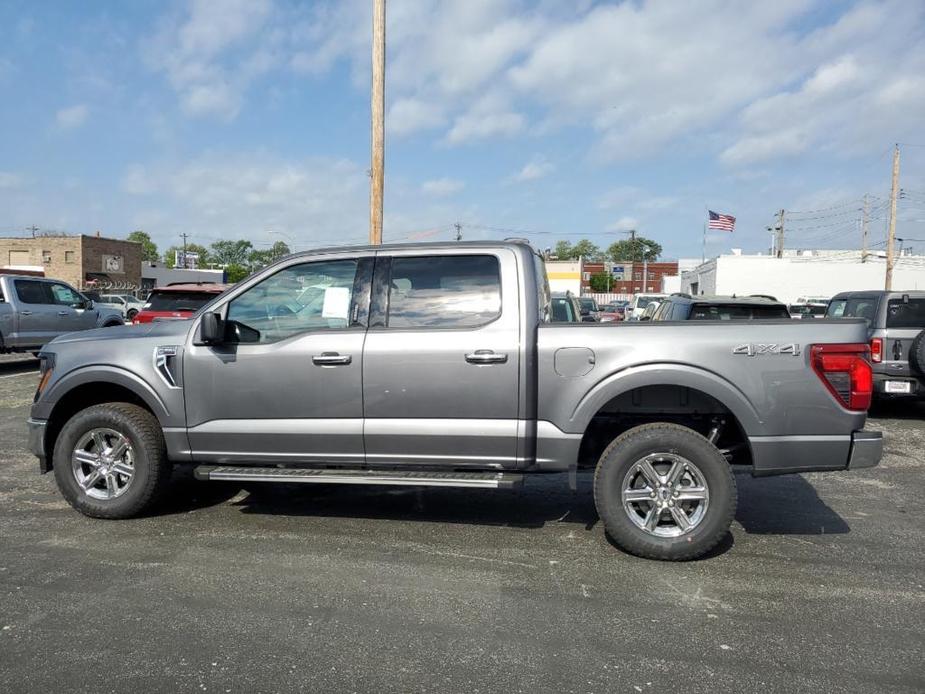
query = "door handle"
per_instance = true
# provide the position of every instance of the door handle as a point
(485, 356)
(25, 313)
(331, 359)
(62, 313)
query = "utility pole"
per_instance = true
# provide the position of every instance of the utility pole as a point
(184, 235)
(865, 219)
(458, 231)
(891, 236)
(377, 164)
(33, 229)
(780, 234)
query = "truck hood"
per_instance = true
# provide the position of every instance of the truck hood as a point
(173, 330)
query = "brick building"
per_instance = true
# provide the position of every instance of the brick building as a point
(86, 262)
(628, 277)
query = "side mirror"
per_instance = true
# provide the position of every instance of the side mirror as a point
(211, 329)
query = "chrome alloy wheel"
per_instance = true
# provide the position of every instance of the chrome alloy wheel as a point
(103, 463)
(665, 495)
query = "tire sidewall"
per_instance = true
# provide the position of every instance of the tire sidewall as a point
(77, 426)
(917, 353)
(635, 445)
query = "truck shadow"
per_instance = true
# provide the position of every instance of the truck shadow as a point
(11, 367)
(897, 409)
(787, 505)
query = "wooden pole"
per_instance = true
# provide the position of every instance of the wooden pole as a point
(891, 236)
(377, 164)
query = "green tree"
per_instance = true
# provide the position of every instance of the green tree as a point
(582, 249)
(634, 250)
(231, 252)
(601, 282)
(170, 254)
(563, 250)
(258, 259)
(148, 247)
(234, 273)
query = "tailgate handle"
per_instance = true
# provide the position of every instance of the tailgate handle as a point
(331, 359)
(485, 356)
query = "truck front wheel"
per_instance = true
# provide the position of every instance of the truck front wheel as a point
(664, 492)
(110, 460)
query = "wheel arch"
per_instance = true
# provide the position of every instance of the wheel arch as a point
(92, 386)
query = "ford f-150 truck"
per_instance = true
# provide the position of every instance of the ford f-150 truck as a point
(437, 365)
(35, 310)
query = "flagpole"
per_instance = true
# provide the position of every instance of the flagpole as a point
(703, 252)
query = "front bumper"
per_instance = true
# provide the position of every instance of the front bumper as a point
(37, 441)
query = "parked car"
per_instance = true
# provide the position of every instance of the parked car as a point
(589, 308)
(808, 311)
(564, 308)
(177, 301)
(614, 311)
(686, 307)
(651, 308)
(126, 303)
(637, 306)
(436, 365)
(35, 310)
(896, 331)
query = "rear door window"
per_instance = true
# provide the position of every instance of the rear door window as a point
(900, 314)
(32, 292)
(462, 291)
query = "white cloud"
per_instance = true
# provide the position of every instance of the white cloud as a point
(318, 200)
(212, 54)
(537, 167)
(441, 187)
(137, 181)
(72, 116)
(9, 180)
(624, 224)
(486, 118)
(410, 115)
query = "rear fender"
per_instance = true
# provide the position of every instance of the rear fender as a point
(671, 375)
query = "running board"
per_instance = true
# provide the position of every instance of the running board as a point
(486, 480)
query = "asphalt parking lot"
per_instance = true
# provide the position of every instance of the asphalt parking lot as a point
(820, 587)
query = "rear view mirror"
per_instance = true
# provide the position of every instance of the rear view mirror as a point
(211, 329)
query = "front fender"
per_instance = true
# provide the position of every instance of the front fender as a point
(670, 374)
(106, 374)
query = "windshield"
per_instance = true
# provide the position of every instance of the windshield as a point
(588, 303)
(178, 301)
(905, 314)
(737, 312)
(862, 307)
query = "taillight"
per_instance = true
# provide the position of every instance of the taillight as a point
(845, 370)
(876, 350)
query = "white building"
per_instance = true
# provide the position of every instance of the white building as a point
(801, 273)
(564, 276)
(672, 283)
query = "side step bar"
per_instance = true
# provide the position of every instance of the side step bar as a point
(239, 473)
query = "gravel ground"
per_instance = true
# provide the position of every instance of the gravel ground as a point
(819, 587)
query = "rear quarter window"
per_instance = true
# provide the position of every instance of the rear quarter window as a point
(901, 314)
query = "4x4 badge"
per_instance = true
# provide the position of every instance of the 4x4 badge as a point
(753, 350)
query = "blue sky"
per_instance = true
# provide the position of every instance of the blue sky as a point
(230, 119)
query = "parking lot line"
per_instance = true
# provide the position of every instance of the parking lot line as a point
(27, 373)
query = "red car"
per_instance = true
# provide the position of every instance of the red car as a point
(178, 301)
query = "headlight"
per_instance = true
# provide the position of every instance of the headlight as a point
(46, 366)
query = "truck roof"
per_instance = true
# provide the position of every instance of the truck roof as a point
(424, 245)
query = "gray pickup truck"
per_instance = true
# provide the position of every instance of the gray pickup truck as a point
(35, 310)
(437, 365)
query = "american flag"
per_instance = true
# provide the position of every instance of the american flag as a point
(723, 222)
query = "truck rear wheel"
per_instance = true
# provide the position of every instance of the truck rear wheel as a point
(110, 460)
(664, 492)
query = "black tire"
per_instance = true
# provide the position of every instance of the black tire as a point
(132, 312)
(622, 455)
(113, 324)
(151, 468)
(917, 354)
